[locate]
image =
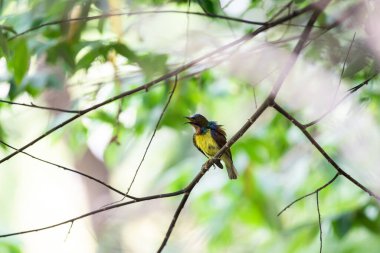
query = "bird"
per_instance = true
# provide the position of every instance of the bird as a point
(209, 138)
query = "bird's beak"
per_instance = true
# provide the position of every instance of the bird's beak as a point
(190, 120)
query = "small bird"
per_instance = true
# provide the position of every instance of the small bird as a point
(209, 138)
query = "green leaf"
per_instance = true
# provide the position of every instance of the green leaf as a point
(152, 64)
(8, 247)
(125, 51)
(62, 50)
(4, 44)
(343, 224)
(105, 117)
(86, 61)
(210, 6)
(18, 60)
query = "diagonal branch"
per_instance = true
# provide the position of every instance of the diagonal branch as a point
(148, 85)
(100, 210)
(174, 220)
(267, 102)
(71, 170)
(107, 15)
(205, 167)
(350, 92)
(322, 151)
(154, 133)
(319, 7)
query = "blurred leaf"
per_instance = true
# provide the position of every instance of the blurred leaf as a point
(123, 50)
(7, 247)
(64, 51)
(78, 137)
(104, 116)
(342, 224)
(18, 59)
(210, 6)
(152, 64)
(3, 45)
(111, 155)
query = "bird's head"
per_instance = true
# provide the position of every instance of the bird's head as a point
(197, 121)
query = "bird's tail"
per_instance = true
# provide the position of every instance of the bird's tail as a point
(231, 170)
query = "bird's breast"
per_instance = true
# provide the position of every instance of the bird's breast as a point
(206, 143)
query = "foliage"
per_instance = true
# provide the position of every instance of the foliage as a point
(238, 215)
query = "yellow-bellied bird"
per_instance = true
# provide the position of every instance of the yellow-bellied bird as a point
(209, 138)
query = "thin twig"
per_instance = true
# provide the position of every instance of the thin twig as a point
(146, 86)
(174, 220)
(107, 15)
(267, 102)
(68, 232)
(322, 151)
(280, 11)
(309, 194)
(205, 167)
(349, 92)
(320, 223)
(40, 107)
(254, 97)
(149, 143)
(100, 210)
(319, 7)
(71, 170)
(342, 72)
(154, 133)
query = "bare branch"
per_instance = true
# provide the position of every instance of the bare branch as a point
(164, 77)
(100, 210)
(174, 220)
(68, 232)
(349, 92)
(319, 7)
(322, 151)
(71, 170)
(107, 15)
(309, 194)
(320, 223)
(342, 72)
(280, 11)
(205, 167)
(154, 133)
(267, 102)
(40, 107)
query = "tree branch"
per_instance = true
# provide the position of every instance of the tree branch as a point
(154, 133)
(107, 15)
(205, 167)
(320, 223)
(174, 220)
(100, 210)
(40, 107)
(148, 85)
(309, 194)
(322, 151)
(267, 102)
(71, 170)
(349, 92)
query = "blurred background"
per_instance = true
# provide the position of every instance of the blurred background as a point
(74, 65)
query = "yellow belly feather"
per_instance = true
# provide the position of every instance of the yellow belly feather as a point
(206, 143)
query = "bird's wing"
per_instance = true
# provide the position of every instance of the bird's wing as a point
(195, 144)
(220, 138)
